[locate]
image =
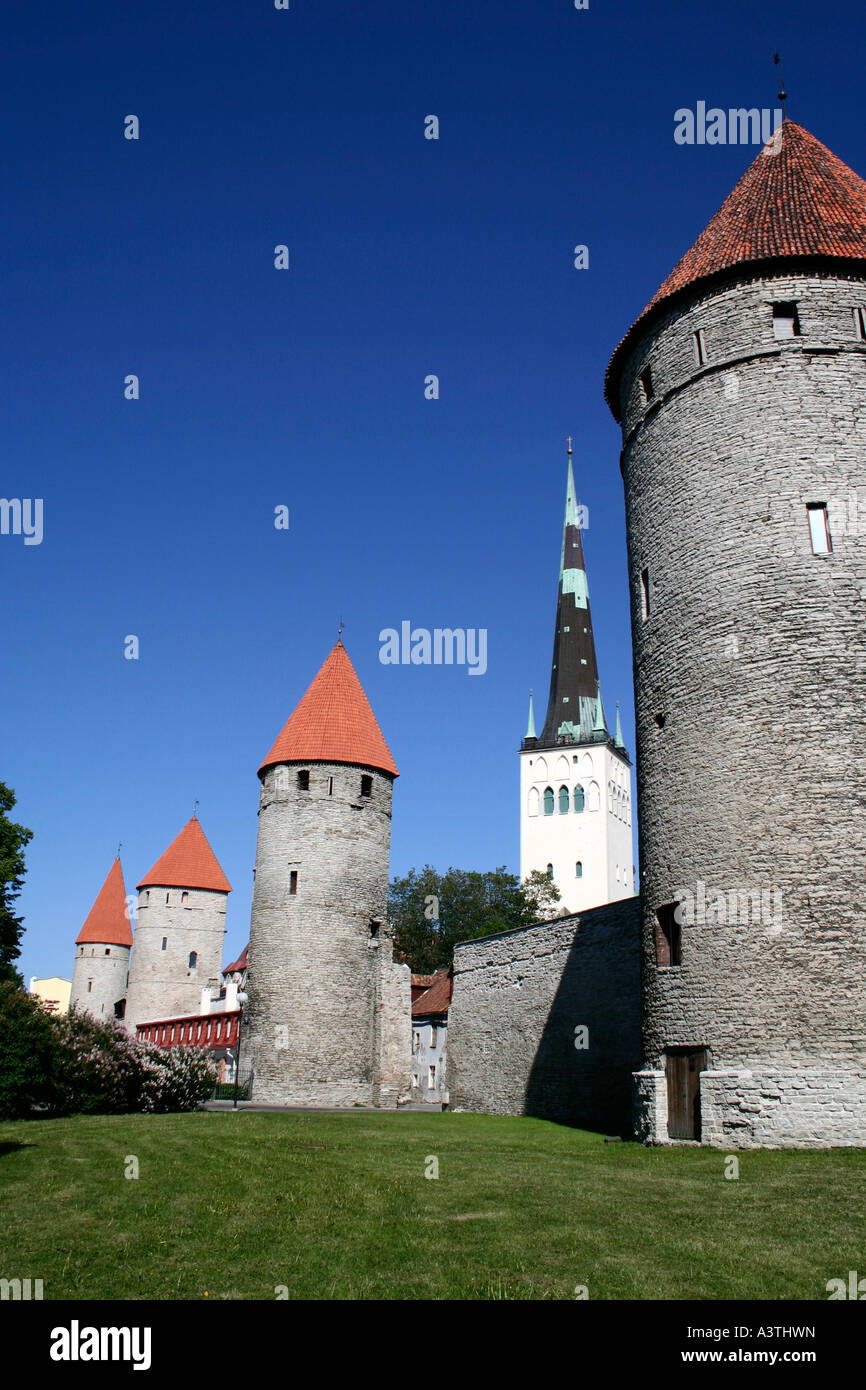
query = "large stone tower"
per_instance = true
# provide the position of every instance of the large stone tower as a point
(575, 779)
(741, 390)
(329, 1011)
(102, 952)
(179, 930)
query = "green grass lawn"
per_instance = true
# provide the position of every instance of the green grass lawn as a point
(230, 1206)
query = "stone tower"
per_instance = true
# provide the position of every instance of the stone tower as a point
(102, 952)
(329, 1011)
(179, 930)
(575, 779)
(741, 390)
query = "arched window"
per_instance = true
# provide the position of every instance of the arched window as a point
(548, 801)
(541, 769)
(550, 871)
(563, 801)
(594, 797)
(534, 801)
(579, 798)
(578, 870)
(586, 765)
(193, 960)
(562, 766)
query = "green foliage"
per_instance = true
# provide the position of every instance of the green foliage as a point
(13, 838)
(73, 1064)
(430, 912)
(28, 1047)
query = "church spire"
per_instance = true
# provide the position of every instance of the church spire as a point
(573, 703)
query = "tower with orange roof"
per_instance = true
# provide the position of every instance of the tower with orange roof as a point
(741, 391)
(179, 930)
(329, 1011)
(102, 952)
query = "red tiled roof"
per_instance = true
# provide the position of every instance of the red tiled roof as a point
(333, 723)
(239, 964)
(189, 862)
(437, 998)
(796, 199)
(425, 980)
(107, 921)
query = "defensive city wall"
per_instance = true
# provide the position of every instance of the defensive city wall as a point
(545, 1020)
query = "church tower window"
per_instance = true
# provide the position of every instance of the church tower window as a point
(578, 870)
(563, 801)
(579, 799)
(548, 801)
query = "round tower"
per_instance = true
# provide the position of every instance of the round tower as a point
(329, 1012)
(741, 390)
(179, 931)
(102, 947)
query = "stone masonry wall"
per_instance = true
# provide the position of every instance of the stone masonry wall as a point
(162, 984)
(518, 998)
(750, 684)
(107, 974)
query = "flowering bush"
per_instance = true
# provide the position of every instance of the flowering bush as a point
(75, 1064)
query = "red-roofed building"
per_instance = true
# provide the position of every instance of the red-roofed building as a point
(429, 1027)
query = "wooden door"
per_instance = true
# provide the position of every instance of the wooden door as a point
(683, 1067)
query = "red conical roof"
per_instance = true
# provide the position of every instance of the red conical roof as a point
(107, 921)
(796, 199)
(333, 723)
(189, 862)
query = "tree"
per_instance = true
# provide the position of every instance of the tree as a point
(430, 912)
(13, 838)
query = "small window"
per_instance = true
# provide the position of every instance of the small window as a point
(646, 381)
(89, 986)
(293, 882)
(563, 801)
(304, 781)
(147, 895)
(366, 785)
(330, 786)
(578, 870)
(167, 896)
(548, 801)
(184, 899)
(431, 1079)
(860, 324)
(416, 1041)
(700, 347)
(645, 594)
(550, 871)
(108, 951)
(193, 960)
(819, 528)
(579, 798)
(164, 943)
(786, 323)
(668, 936)
(374, 929)
(434, 1036)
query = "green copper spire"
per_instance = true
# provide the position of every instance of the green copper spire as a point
(572, 516)
(618, 740)
(600, 726)
(530, 728)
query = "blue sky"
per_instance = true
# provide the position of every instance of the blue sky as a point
(305, 388)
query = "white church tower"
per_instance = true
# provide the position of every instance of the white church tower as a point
(575, 778)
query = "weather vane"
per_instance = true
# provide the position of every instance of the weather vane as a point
(569, 444)
(195, 808)
(783, 95)
(119, 847)
(340, 628)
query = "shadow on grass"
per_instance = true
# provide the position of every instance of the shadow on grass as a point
(12, 1147)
